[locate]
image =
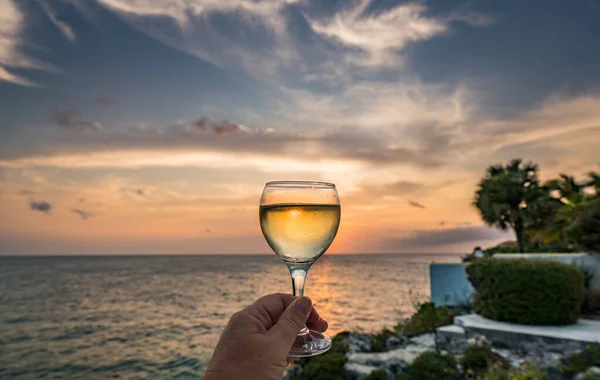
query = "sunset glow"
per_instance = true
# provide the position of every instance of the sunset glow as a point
(133, 127)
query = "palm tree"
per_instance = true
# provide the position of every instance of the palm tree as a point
(509, 197)
(569, 196)
(594, 182)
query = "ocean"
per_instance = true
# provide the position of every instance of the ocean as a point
(158, 317)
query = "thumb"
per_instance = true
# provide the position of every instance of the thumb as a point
(292, 320)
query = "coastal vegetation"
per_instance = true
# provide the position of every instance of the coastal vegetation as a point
(529, 292)
(559, 215)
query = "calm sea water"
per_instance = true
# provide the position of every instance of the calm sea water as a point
(160, 317)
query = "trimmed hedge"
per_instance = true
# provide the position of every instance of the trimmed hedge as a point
(528, 292)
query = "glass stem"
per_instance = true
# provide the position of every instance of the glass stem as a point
(298, 273)
(298, 281)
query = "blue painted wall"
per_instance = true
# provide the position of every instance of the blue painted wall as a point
(449, 284)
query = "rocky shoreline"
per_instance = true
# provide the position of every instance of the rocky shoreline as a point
(553, 361)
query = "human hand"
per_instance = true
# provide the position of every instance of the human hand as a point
(257, 339)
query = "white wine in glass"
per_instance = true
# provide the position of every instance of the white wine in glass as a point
(299, 221)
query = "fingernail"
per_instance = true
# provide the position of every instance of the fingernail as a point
(303, 305)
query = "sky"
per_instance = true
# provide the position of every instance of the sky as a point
(151, 126)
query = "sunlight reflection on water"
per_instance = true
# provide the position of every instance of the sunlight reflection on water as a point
(159, 317)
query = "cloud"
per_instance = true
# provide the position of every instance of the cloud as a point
(416, 204)
(7, 76)
(380, 35)
(69, 119)
(82, 214)
(12, 23)
(41, 206)
(196, 141)
(442, 223)
(140, 192)
(221, 128)
(270, 38)
(26, 192)
(442, 237)
(64, 28)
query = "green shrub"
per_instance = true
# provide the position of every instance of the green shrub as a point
(529, 292)
(328, 366)
(378, 341)
(432, 365)
(427, 318)
(585, 229)
(477, 359)
(378, 374)
(402, 376)
(527, 371)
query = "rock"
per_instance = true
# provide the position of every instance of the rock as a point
(394, 360)
(394, 342)
(451, 338)
(541, 359)
(357, 371)
(358, 342)
(478, 340)
(592, 372)
(425, 340)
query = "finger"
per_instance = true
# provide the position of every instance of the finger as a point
(269, 308)
(314, 316)
(321, 325)
(290, 323)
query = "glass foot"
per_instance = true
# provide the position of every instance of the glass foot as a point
(310, 343)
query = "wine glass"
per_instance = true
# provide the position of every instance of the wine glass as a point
(299, 221)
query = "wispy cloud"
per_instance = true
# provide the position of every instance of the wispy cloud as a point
(380, 35)
(85, 215)
(7, 76)
(416, 204)
(441, 237)
(70, 119)
(269, 46)
(12, 22)
(41, 206)
(64, 28)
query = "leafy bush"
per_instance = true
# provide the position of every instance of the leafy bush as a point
(378, 374)
(529, 292)
(478, 358)
(432, 365)
(585, 229)
(378, 340)
(527, 371)
(427, 318)
(328, 366)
